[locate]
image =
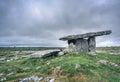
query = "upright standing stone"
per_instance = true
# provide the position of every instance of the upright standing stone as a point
(92, 44)
(81, 45)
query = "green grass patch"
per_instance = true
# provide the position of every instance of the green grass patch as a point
(89, 69)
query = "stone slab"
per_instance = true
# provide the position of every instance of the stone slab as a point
(87, 35)
(44, 53)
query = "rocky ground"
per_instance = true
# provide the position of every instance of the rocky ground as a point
(17, 66)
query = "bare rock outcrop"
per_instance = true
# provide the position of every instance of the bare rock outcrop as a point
(44, 53)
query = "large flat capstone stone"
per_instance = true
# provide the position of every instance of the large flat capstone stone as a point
(44, 53)
(87, 35)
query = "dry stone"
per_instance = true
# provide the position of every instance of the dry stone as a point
(31, 79)
(58, 67)
(77, 66)
(87, 35)
(48, 63)
(113, 64)
(92, 53)
(81, 45)
(44, 53)
(38, 67)
(61, 53)
(102, 62)
(3, 79)
(50, 79)
(2, 74)
(92, 44)
(66, 50)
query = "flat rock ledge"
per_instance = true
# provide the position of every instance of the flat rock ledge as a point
(44, 53)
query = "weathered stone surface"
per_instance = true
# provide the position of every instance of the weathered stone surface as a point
(66, 50)
(113, 64)
(2, 60)
(81, 45)
(71, 47)
(8, 60)
(61, 53)
(83, 42)
(58, 68)
(12, 73)
(48, 63)
(39, 67)
(91, 34)
(2, 74)
(3, 79)
(44, 53)
(31, 79)
(78, 45)
(50, 79)
(102, 62)
(108, 63)
(92, 53)
(91, 44)
(77, 66)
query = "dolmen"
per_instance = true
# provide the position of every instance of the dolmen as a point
(84, 42)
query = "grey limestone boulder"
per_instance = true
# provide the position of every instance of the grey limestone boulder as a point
(38, 67)
(77, 66)
(58, 67)
(102, 62)
(48, 63)
(61, 53)
(50, 79)
(113, 64)
(44, 53)
(31, 79)
(3, 79)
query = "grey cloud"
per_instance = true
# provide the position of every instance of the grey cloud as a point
(44, 21)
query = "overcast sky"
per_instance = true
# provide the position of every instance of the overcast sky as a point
(43, 22)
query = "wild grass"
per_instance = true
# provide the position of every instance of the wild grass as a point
(89, 71)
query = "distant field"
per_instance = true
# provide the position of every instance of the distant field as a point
(27, 48)
(110, 50)
(14, 64)
(44, 48)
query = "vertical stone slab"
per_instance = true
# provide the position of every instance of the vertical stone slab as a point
(92, 44)
(81, 45)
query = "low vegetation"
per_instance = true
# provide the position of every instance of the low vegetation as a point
(88, 71)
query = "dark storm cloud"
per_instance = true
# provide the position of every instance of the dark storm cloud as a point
(44, 21)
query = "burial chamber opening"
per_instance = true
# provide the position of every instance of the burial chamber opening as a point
(77, 45)
(71, 41)
(82, 44)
